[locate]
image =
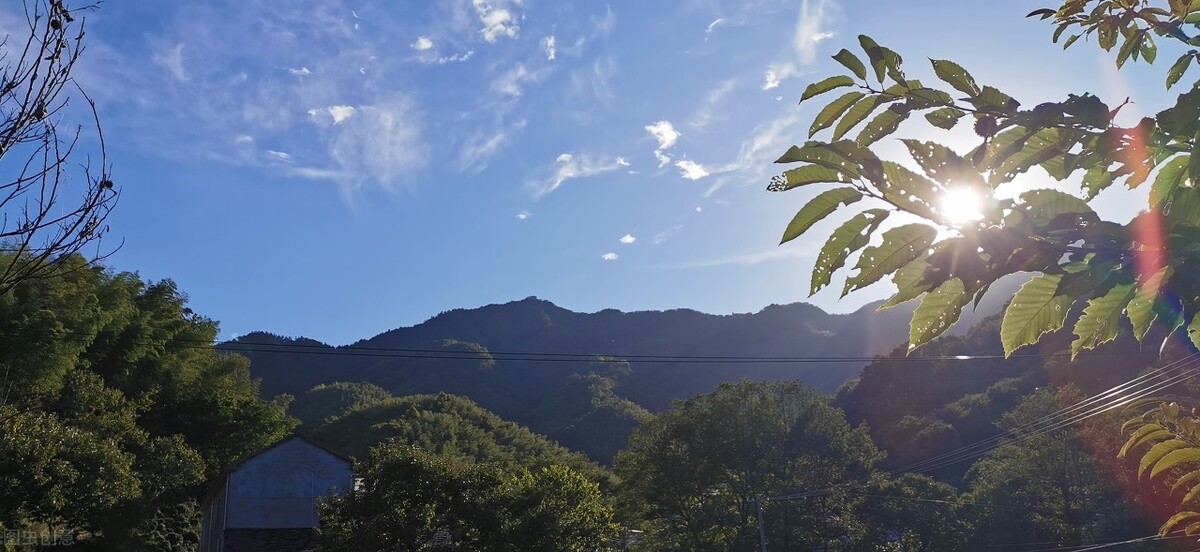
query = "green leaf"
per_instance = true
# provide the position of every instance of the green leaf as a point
(1101, 319)
(855, 115)
(818, 208)
(834, 110)
(1042, 146)
(1149, 49)
(818, 88)
(910, 190)
(1177, 70)
(829, 156)
(1127, 48)
(874, 54)
(945, 165)
(1169, 527)
(1157, 452)
(1036, 309)
(1141, 307)
(803, 176)
(1145, 433)
(1183, 481)
(851, 236)
(908, 282)
(900, 246)
(1193, 331)
(1170, 177)
(945, 118)
(883, 124)
(1043, 205)
(1175, 458)
(851, 62)
(955, 76)
(1192, 494)
(938, 311)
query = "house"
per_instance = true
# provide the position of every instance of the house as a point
(268, 501)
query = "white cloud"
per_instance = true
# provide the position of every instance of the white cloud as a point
(691, 170)
(756, 152)
(456, 57)
(481, 146)
(661, 237)
(811, 28)
(715, 23)
(749, 259)
(627, 239)
(707, 113)
(699, 209)
(512, 82)
(667, 136)
(422, 44)
(568, 166)
(498, 21)
(610, 256)
(777, 73)
(301, 72)
(244, 139)
(172, 59)
(279, 155)
(622, 161)
(334, 113)
(524, 215)
(548, 46)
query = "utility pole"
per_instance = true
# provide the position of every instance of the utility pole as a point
(762, 529)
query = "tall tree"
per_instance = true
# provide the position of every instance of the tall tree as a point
(698, 470)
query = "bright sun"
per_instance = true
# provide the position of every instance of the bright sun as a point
(962, 205)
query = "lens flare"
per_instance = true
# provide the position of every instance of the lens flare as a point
(962, 205)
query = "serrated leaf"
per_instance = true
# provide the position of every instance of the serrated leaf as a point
(944, 164)
(831, 112)
(908, 283)
(1182, 517)
(900, 246)
(945, 118)
(855, 115)
(818, 208)
(1170, 177)
(1193, 331)
(1040, 147)
(1175, 458)
(955, 76)
(851, 236)
(874, 54)
(938, 311)
(1141, 435)
(1097, 178)
(883, 124)
(1141, 308)
(1043, 205)
(1157, 452)
(1177, 70)
(1036, 309)
(821, 87)
(851, 62)
(1101, 319)
(1186, 479)
(909, 190)
(803, 176)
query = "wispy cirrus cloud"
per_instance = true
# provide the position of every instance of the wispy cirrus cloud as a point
(570, 166)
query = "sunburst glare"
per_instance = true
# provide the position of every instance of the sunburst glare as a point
(962, 205)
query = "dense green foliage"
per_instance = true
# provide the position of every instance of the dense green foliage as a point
(414, 500)
(116, 409)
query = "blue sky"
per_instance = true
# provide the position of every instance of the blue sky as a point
(336, 169)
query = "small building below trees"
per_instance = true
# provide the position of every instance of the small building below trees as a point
(268, 501)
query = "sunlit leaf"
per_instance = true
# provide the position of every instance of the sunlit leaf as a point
(883, 124)
(938, 311)
(1170, 177)
(1185, 480)
(1175, 520)
(875, 54)
(818, 208)
(1157, 452)
(945, 118)
(944, 165)
(826, 85)
(955, 76)
(803, 176)
(1141, 435)
(1177, 70)
(851, 236)
(851, 62)
(1141, 307)
(1101, 318)
(831, 112)
(1193, 330)
(1175, 458)
(909, 286)
(855, 115)
(900, 246)
(1043, 205)
(1037, 308)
